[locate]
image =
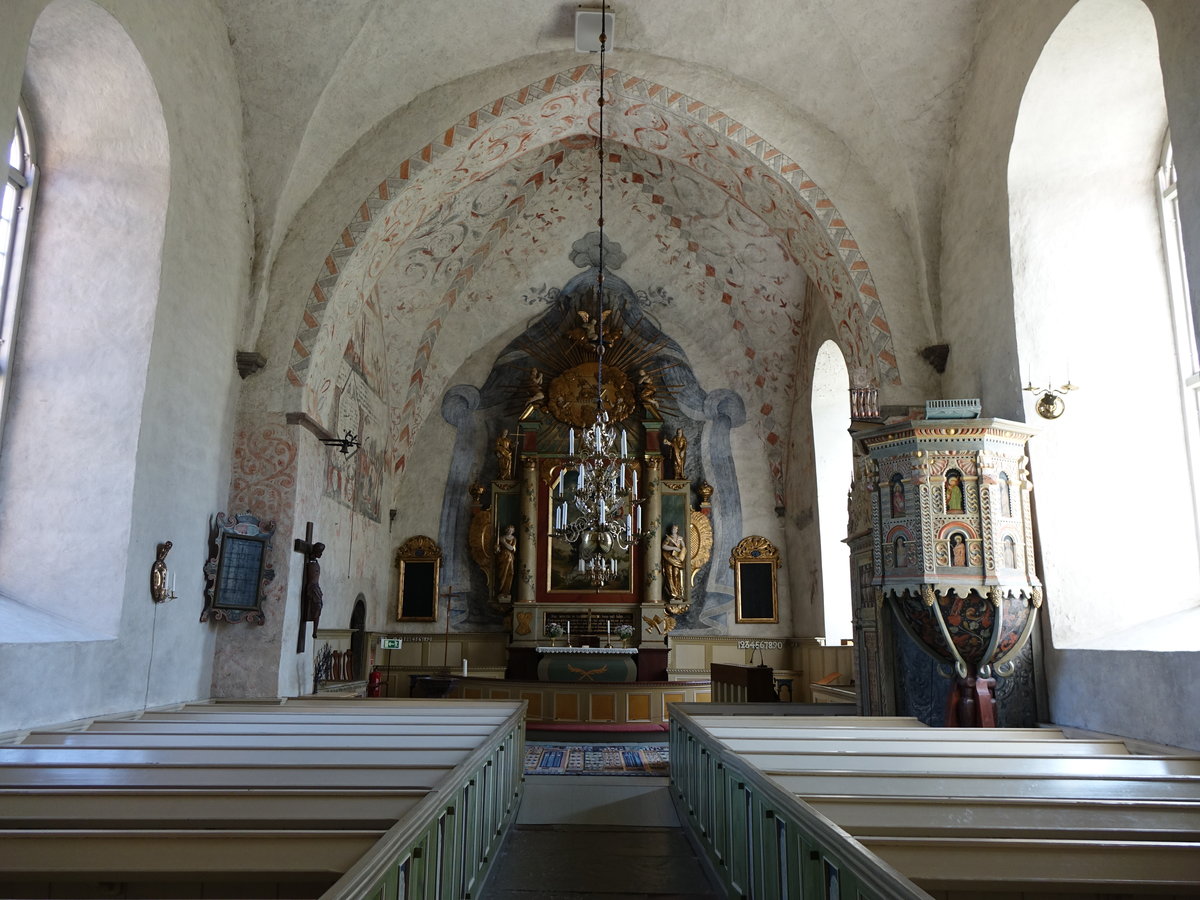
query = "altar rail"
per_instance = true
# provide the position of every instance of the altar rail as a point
(309, 797)
(890, 808)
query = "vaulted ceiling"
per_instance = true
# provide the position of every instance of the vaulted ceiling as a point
(472, 220)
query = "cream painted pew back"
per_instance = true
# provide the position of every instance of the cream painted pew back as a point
(299, 798)
(801, 806)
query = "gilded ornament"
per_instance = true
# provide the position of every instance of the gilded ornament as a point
(928, 596)
(481, 539)
(700, 541)
(705, 492)
(573, 395)
(524, 623)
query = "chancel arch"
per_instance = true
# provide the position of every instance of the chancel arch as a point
(442, 215)
(1092, 309)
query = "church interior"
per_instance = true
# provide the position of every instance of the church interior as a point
(357, 348)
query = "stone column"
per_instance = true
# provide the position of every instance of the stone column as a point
(654, 531)
(527, 544)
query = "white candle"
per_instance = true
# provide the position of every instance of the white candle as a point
(571, 442)
(464, 668)
(608, 626)
(568, 627)
(634, 492)
(624, 444)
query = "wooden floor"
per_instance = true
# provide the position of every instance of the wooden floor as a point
(581, 837)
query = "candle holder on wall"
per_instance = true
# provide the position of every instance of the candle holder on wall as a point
(162, 586)
(1050, 405)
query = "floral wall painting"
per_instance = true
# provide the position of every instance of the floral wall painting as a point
(954, 491)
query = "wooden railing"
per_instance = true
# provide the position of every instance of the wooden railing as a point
(892, 809)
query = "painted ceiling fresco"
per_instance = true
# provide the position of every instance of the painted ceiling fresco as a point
(708, 215)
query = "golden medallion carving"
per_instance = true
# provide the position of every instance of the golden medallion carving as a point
(481, 538)
(573, 395)
(524, 622)
(700, 541)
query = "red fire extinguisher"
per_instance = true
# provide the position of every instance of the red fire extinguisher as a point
(375, 684)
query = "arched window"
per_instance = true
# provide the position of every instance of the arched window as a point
(834, 470)
(15, 210)
(75, 399)
(1092, 307)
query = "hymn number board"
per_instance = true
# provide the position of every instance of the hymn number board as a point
(238, 571)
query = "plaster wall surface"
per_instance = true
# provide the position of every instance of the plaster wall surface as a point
(1121, 693)
(180, 451)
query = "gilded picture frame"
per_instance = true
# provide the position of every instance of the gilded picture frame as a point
(419, 561)
(755, 562)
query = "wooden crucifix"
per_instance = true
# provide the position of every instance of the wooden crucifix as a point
(311, 599)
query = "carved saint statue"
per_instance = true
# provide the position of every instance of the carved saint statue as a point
(506, 557)
(674, 561)
(537, 393)
(678, 448)
(648, 394)
(504, 455)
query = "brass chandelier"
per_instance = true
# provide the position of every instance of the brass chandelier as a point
(601, 513)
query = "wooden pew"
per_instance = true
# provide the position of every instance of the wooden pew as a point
(259, 800)
(966, 813)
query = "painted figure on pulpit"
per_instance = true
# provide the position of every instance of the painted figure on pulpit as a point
(673, 559)
(506, 558)
(958, 549)
(954, 491)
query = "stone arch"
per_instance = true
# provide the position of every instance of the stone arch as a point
(493, 134)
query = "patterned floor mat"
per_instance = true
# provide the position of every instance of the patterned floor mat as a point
(595, 759)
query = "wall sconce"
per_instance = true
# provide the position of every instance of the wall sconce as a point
(162, 582)
(1050, 405)
(347, 445)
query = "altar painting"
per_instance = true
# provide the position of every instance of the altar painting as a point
(565, 560)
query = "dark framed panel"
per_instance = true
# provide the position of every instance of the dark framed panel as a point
(755, 562)
(419, 561)
(238, 570)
